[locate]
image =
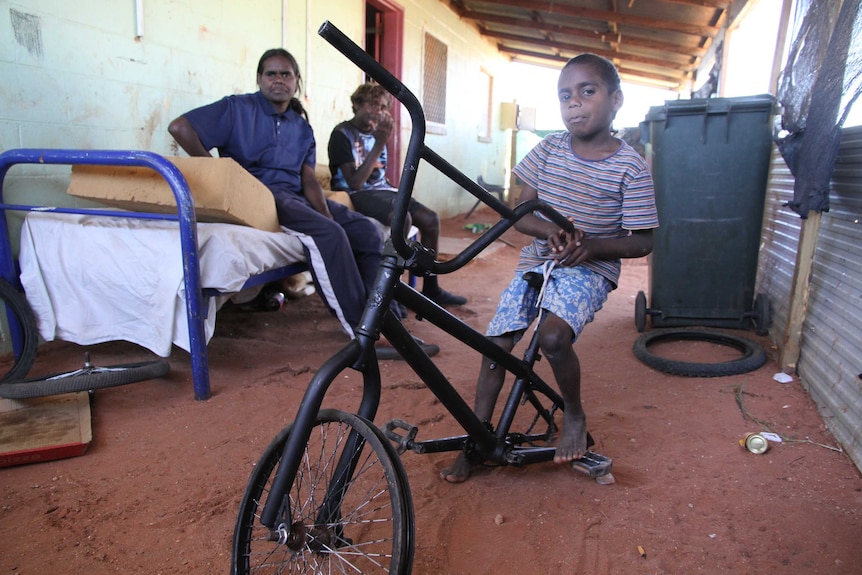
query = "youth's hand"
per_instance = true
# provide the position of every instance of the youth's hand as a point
(383, 129)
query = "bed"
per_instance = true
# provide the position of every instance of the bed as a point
(152, 279)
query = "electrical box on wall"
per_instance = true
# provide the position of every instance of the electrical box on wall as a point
(515, 117)
(526, 119)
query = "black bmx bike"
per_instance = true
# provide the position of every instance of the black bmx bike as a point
(330, 493)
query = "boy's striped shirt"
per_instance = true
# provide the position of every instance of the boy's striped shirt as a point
(605, 198)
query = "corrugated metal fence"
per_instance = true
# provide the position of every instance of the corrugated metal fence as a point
(778, 244)
(830, 361)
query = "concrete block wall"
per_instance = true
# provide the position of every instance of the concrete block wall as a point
(76, 75)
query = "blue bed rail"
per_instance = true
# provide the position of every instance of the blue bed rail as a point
(185, 216)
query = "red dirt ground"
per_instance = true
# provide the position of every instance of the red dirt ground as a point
(158, 489)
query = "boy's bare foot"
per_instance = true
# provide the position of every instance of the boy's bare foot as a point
(573, 440)
(459, 471)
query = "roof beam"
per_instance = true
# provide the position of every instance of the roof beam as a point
(720, 4)
(580, 32)
(670, 81)
(551, 8)
(610, 54)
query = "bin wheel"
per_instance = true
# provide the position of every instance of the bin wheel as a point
(762, 314)
(752, 358)
(640, 311)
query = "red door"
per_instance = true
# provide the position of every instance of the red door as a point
(384, 34)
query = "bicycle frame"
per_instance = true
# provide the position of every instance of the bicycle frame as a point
(400, 255)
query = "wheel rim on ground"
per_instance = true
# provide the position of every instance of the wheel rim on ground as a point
(86, 379)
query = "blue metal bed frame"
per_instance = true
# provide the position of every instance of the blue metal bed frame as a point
(185, 216)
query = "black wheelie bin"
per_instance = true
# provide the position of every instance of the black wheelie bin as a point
(710, 162)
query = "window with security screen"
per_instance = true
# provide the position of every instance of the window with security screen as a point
(434, 85)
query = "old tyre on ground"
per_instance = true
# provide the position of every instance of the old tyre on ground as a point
(753, 356)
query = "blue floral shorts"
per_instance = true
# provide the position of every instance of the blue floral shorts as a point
(573, 294)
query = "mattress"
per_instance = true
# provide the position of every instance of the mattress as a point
(91, 279)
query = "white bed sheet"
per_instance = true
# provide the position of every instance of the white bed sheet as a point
(91, 279)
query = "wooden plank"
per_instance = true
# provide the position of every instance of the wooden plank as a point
(44, 428)
(792, 340)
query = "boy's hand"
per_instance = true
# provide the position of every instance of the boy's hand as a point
(569, 248)
(577, 252)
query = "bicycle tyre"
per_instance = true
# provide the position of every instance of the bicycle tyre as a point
(86, 379)
(753, 355)
(375, 530)
(16, 305)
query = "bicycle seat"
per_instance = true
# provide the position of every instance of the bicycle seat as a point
(534, 279)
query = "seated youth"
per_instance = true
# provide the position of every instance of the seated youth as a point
(357, 161)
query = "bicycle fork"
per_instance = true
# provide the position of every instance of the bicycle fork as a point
(357, 354)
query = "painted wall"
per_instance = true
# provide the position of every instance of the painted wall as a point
(77, 75)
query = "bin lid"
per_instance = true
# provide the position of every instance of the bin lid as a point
(700, 106)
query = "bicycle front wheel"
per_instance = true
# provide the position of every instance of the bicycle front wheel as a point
(333, 521)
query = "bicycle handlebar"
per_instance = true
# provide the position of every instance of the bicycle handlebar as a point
(417, 255)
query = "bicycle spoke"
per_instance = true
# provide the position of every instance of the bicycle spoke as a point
(347, 511)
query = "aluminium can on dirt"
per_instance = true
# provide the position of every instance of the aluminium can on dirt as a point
(755, 443)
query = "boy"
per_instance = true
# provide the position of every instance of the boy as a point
(357, 161)
(604, 187)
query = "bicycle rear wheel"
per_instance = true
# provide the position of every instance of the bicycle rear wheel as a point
(21, 336)
(370, 532)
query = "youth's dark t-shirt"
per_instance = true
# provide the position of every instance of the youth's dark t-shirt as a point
(347, 145)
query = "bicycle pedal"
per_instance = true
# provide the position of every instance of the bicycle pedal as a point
(402, 442)
(593, 464)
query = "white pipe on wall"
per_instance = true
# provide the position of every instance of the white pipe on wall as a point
(283, 22)
(308, 33)
(139, 19)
